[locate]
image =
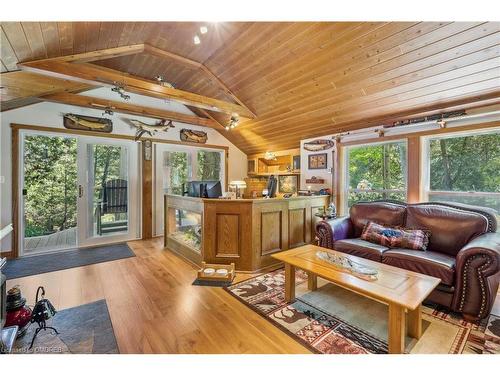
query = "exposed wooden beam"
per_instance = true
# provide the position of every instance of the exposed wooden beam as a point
(169, 55)
(226, 89)
(195, 64)
(121, 107)
(19, 89)
(102, 54)
(94, 74)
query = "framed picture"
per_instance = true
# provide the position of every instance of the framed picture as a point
(287, 184)
(317, 161)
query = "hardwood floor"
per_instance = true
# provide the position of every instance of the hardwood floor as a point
(155, 309)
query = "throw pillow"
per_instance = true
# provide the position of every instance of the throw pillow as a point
(414, 239)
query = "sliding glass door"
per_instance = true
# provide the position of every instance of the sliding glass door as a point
(76, 191)
(49, 193)
(109, 185)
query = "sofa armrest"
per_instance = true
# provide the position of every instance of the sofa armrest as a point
(329, 231)
(477, 276)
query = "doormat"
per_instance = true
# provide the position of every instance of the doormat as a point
(84, 329)
(37, 264)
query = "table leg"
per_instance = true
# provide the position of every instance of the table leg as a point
(396, 329)
(312, 281)
(289, 283)
(415, 322)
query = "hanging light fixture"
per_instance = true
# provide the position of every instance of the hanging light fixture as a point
(269, 155)
(203, 29)
(196, 39)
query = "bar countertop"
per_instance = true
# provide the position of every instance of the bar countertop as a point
(244, 200)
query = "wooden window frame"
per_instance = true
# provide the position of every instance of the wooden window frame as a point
(345, 191)
(416, 156)
(426, 168)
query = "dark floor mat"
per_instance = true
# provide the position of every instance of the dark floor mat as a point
(85, 329)
(35, 265)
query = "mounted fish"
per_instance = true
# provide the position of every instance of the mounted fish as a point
(318, 145)
(143, 128)
(195, 136)
(95, 124)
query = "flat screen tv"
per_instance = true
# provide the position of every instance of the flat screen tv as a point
(205, 189)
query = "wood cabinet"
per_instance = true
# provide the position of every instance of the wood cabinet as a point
(246, 231)
(286, 162)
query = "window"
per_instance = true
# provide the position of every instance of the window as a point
(178, 170)
(376, 172)
(208, 165)
(180, 167)
(465, 169)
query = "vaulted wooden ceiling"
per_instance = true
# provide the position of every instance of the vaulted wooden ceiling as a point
(299, 79)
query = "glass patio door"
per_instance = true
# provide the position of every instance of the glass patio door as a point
(108, 185)
(76, 192)
(49, 193)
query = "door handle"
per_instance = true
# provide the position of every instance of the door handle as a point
(80, 191)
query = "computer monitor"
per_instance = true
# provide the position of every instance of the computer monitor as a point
(205, 189)
(272, 186)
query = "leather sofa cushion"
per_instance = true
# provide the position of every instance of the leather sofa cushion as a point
(450, 228)
(360, 248)
(426, 262)
(385, 213)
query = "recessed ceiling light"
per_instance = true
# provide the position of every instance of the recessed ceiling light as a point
(203, 29)
(196, 39)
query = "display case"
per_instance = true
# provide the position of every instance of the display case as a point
(184, 226)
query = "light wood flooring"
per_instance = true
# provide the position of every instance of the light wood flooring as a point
(155, 309)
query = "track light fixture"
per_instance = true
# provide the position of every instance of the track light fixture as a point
(161, 81)
(233, 122)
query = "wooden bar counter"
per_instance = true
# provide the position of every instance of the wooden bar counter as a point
(241, 231)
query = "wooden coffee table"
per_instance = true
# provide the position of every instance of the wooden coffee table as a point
(402, 290)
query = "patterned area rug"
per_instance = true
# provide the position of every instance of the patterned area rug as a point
(84, 329)
(332, 320)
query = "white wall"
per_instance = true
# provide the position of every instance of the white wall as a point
(306, 173)
(51, 115)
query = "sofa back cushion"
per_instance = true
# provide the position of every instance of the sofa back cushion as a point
(385, 213)
(451, 228)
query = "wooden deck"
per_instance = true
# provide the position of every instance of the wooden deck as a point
(59, 240)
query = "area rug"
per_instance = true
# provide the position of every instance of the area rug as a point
(332, 320)
(37, 264)
(84, 329)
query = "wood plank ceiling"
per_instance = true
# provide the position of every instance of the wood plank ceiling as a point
(300, 79)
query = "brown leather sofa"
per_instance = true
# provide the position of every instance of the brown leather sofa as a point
(463, 250)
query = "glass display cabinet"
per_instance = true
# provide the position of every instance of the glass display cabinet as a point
(184, 226)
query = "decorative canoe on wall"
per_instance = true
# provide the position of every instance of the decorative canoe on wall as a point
(195, 136)
(318, 145)
(95, 124)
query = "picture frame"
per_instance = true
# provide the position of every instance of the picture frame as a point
(287, 184)
(318, 161)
